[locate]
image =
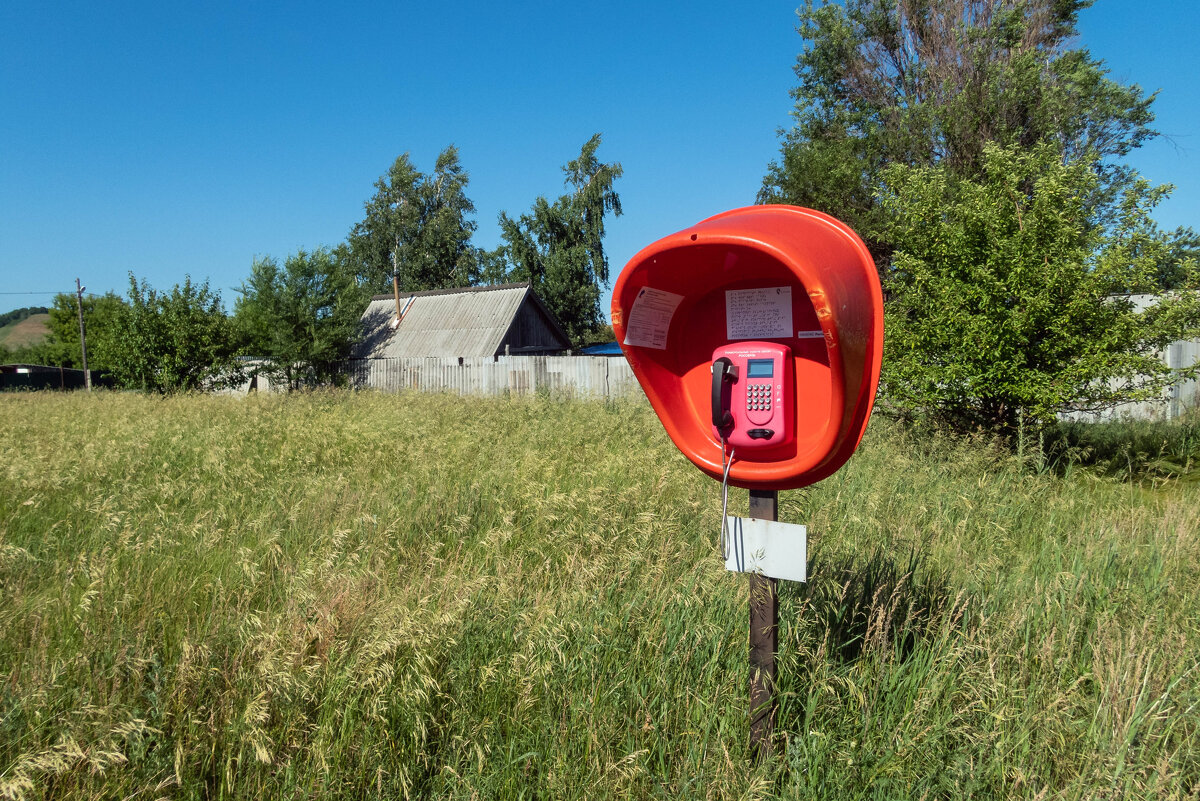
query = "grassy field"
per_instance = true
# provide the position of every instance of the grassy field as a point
(358, 595)
(23, 333)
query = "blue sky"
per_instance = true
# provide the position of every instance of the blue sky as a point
(173, 139)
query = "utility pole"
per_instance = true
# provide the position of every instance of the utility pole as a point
(396, 280)
(87, 376)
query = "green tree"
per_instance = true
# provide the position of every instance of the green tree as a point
(933, 82)
(559, 247)
(1184, 249)
(1009, 306)
(39, 353)
(172, 341)
(303, 319)
(980, 157)
(420, 224)
(101, 319)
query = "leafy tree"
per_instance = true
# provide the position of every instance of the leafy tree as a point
(1010, 307)
(418, 223)
(101, 319)
(172, 341)
(933, 82)
(302, 318)
(980, 157)
(559, 247)
(1171, 273)
(38, 353)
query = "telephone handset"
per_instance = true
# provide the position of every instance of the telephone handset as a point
(752, 388)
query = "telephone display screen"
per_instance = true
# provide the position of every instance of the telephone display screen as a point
(760, 368)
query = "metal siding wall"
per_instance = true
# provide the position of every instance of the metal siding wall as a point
(596, 376)
(1176, 401)
(1188, 395)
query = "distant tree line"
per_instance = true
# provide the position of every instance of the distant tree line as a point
(17, 315)
(297, 319)
(978, 151)
(155, 341)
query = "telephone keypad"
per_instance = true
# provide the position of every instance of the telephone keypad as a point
(759, 397)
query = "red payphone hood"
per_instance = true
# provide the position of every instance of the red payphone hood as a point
(837, 317)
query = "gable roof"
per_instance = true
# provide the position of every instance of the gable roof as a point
(468, 321)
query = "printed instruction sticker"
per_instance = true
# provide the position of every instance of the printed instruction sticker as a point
(650, 318)
(758, 313)
(810, 335)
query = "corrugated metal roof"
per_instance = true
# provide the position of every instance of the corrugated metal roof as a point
(604, 349)
(445, 322)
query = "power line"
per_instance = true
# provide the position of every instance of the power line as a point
(50, 292)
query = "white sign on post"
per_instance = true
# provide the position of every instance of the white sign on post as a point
(767, 547)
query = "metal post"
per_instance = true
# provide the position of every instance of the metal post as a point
(764, 639)
(87, 376)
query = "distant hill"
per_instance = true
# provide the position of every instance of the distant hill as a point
(23, 333)
(17, 315)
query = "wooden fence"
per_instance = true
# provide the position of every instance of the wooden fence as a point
(596, 376)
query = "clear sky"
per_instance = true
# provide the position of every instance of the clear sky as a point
(173, 139)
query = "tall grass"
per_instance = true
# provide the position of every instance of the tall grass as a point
(344, 595)
(1133, 449)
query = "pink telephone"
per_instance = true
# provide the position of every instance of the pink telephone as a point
(752, 403)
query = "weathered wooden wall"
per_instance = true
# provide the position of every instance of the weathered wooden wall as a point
(598, 376)
(532, 332)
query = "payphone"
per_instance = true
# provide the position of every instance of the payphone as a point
(757, 336)
(752, 393)
(777, 289)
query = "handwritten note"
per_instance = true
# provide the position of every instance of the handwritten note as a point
(650, 318)
(758, 313)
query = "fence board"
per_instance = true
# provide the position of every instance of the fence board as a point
(596, 376)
